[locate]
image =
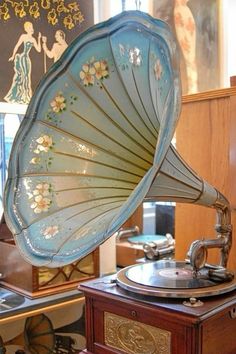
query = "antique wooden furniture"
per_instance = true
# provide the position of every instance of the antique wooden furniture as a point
(121, 322)
(128, 253)
(31, 281)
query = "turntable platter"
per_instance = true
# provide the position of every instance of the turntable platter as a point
(141, 239)
(170, 279)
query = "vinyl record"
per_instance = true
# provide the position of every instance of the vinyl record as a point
(170, 279)
(9, 300)
(168, 274)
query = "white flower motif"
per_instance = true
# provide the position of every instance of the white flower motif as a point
(87, 74)
(135, 57)
(42, 189)
(101, 69)
(45, 142)
(58, 104)
(35, 160)
(40, 204)
(158, 70)
(50, 231)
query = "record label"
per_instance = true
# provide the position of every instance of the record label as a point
(175, 273)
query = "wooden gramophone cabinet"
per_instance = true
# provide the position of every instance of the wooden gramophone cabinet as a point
(31, 281)
(118, 321)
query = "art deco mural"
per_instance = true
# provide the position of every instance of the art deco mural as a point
(33, 35)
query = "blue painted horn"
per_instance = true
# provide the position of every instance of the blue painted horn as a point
(96, 141)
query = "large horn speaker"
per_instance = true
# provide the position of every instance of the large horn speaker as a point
(38, 336)
(96, 141)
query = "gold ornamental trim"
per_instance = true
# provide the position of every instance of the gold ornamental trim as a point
(135, 337)
(56, 12)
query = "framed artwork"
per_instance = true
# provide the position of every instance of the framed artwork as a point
(196, 25)
(33, 35)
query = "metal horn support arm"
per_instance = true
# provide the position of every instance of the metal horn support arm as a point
(176, 181)
(124, 233)
(198, 249)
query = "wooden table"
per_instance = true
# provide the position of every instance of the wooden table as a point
(121, 322)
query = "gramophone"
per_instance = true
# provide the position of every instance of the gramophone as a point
(38, 336)
(95, 142)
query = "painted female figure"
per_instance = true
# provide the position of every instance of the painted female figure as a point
(185, 28)
(21, 91)
(179, 16)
